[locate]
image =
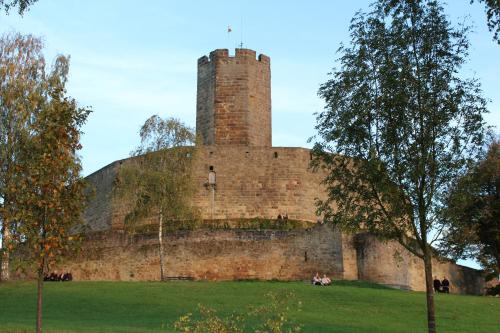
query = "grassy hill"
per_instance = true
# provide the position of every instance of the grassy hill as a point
(346, 307)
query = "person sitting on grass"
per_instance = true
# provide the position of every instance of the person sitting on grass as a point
(437, 285)
(53, 276)
(325, 281)
(316, 280)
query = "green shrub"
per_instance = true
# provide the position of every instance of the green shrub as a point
(272, 317)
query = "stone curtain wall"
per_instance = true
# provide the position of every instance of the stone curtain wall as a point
(251, 182)
(106, 210)
(391, 264)
(211, 255)
(99, 212)
(349, 258)
(258, 182)
(234, 99)
(261, 254)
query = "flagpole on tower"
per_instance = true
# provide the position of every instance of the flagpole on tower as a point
(228, 32)
(241, 33)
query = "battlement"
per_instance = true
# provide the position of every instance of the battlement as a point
(221, 54)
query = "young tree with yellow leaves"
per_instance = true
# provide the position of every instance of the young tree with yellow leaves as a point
(48, 198)
(21, 66)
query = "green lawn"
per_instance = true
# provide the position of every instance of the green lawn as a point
(153, 306)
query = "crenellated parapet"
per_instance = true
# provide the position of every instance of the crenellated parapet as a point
(223, 54)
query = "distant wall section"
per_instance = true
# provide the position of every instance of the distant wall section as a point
(99, 213)
(391, 264)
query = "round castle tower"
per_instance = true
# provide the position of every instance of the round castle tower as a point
(233, 105)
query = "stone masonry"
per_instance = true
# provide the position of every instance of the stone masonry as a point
(235, 254)
(234, 99)
(253, 180)
(211, 255)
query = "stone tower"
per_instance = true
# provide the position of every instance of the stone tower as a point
(233, 104)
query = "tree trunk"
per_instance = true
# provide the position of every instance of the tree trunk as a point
(160, 241)
(4, 269)
(431, 317)
(39, 302)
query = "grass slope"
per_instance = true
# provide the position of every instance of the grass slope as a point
(345, 307)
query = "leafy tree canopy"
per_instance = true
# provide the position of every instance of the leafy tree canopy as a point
(472, 214)
(21, 64)
(492, 17)
(159, 177)
(158, 181)
(158, 133)
(400, 124)
(41, 189)
(492, 8)
(21, 5)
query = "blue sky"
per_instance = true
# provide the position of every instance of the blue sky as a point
(133, 59)
(129, 61)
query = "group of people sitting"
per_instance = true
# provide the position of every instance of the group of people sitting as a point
(441, 286)
(321, 281)
(283, 217)
(54, 276)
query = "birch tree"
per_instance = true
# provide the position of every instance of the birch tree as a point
(159, 180)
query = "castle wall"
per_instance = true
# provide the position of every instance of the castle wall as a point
(251, 182)
(234, 99)
(257, 182)
(349, 258)
(235, 254)
(98, 215)
(211, 255)
(382, 261)
(391, 264)
(463, 280)
(106, 210)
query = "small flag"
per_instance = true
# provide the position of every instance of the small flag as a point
(229, 29)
